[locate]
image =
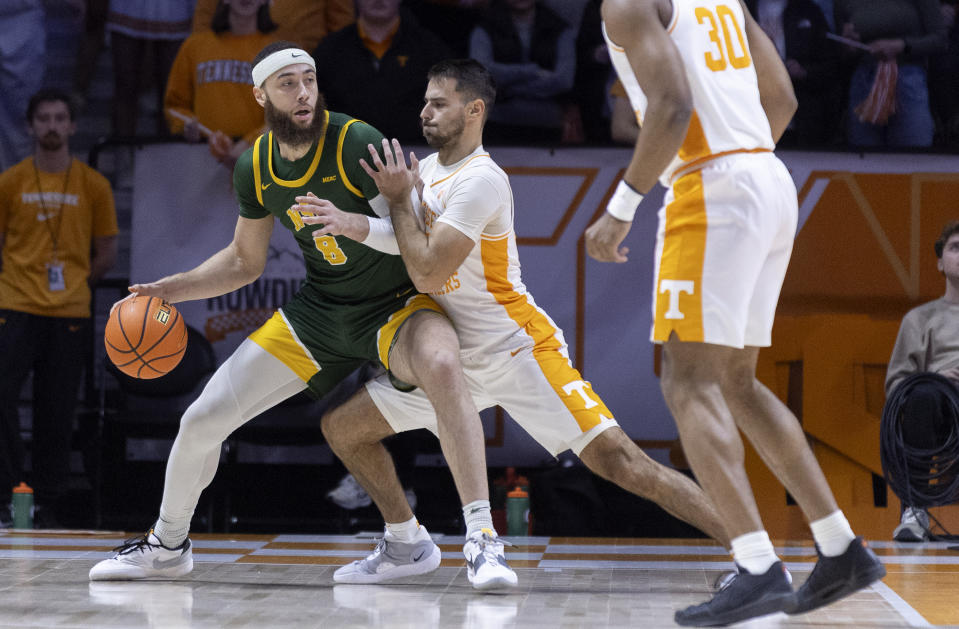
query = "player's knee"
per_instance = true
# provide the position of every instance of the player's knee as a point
(607, 458)
(678, 390)
(204, 424)
(622, 462)
(676, 377)
(739, 381)
(437, 362)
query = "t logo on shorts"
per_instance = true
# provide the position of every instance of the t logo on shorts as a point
(580, 387)
(675, 288)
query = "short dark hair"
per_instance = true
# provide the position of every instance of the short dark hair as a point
(49, 95)
(472, 79)
(269, 49)
(952, 227)
(221, 19)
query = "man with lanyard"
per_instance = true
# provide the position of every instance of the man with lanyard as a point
(54, 210)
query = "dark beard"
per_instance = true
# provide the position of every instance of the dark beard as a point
(50, 142)
(438, 141)
(285, 130)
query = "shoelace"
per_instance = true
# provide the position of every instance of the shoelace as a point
(486, 541)
(380, 548)
(725, 580)
(132, 544)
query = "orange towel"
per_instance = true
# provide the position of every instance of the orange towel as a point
(881, 102)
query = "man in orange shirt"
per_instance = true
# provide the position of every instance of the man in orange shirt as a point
(53, 210)
(209, 83)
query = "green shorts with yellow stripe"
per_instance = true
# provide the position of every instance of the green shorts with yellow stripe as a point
(324, 343)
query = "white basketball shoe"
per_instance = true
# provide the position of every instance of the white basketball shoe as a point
(145, 558)
(486, 566)
(393, 559)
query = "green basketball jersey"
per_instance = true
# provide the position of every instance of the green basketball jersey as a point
(338, 270)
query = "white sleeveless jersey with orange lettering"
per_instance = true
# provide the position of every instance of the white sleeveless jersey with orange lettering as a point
(727, 115)
(485, 297)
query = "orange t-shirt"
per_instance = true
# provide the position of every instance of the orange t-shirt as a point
(210, 80)
(32, 218)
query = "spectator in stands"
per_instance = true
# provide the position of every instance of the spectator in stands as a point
(928, 342)
(798, 29)
(376, 68)
(88, 50)
(944, 79)
(143, 31)
(904, 32)
(531, 53)
(210, 80)
(303, 22)
(22, 48)
(450, 20)
(592, 78)
(54, 210)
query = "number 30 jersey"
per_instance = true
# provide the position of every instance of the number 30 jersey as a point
(727, 114)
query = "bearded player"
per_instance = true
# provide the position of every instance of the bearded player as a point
(357, 304)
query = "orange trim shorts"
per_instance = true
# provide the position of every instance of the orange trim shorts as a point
(537, 386)
(724, 240)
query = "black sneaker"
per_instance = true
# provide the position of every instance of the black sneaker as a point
(836, 577)
(742, 597)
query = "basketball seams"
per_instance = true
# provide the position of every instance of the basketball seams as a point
(146, 363)
(122, 329)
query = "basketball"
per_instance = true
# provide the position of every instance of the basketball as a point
(145, 337)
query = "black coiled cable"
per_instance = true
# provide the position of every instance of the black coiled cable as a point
(921, 477)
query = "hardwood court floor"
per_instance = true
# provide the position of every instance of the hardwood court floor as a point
(286, 581)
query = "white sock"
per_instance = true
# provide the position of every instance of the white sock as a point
(832, 534)
(171, 533)
(754, 552)
(404, 531)
(477, 516)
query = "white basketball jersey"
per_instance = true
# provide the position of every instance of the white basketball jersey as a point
(485, 297)
(727, 115)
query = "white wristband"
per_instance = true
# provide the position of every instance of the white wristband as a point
(624, 202)
(381, 236)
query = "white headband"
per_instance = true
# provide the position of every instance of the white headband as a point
(280, 59)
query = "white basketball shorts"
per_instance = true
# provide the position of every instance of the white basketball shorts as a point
(725, 236)
(537, 386)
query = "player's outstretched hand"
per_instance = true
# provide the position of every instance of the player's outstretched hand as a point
(394, 178)
(604, 237)
(332, 220)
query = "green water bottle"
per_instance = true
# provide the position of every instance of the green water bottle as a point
(517, 513)
(22, 506)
